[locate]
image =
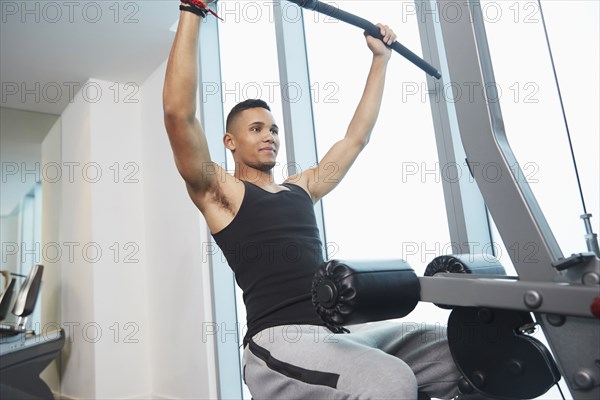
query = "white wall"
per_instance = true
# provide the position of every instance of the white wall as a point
(180, 302)
(50, 296)
(134, 314)
(119, 275)
(104, 306)
(78, 379)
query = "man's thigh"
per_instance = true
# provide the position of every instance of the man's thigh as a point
(301, 362)
(424, 347)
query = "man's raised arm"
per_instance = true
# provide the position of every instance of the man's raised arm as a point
(187, 137)
(338, 160)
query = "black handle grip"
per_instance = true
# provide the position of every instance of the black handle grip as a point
(370, 28)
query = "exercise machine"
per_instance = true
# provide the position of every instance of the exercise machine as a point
(24, 354)
(493, 314)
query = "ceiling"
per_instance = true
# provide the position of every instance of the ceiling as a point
(49, 49)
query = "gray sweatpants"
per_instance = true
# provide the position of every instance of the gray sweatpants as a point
(379, 360)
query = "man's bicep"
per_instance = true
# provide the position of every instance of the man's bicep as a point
(191, 153)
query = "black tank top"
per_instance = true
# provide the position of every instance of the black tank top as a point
(273, 247)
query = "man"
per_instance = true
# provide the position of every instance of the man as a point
(269, 235)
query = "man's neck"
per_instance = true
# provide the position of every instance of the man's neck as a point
(253, 175)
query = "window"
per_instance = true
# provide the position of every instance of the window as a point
(531, 109)
(391, 204)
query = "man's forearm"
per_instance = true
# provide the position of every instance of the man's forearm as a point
(181, 80)
(366, 113)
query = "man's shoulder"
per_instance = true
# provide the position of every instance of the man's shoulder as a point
(220, 202)
(303, 180)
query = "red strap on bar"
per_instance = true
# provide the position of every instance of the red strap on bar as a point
(200, 4)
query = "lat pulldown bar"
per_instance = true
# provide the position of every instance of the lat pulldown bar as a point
(370, 28)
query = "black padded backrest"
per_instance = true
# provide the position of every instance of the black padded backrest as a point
(27, 297)
(5, 299)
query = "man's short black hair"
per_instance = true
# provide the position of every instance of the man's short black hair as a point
(244, 105)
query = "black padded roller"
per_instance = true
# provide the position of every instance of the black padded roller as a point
(346, 293)
(464, 264)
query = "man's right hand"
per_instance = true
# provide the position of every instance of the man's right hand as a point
(207, 2)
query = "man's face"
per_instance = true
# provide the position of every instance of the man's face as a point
(254, 139)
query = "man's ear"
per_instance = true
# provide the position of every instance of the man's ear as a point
(229, 141)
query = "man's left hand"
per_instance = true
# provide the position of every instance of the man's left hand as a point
(380, 47)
